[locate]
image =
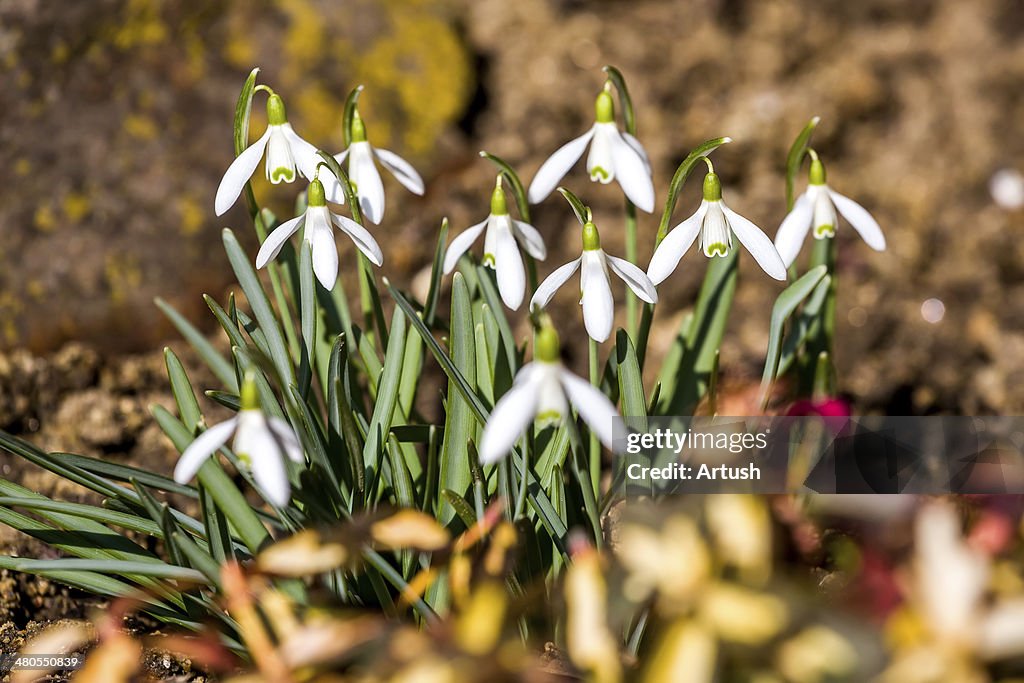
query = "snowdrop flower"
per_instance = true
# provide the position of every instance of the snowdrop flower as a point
(317, 220)
(501, 248)
(816, 208)
(285, 152)
(261, 444)
(614, 155)
(543, 390)
(716, 224)
(364, 176)
(595, 284)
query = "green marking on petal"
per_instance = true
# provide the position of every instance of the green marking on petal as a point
(717, 249)
(548, 417)
(245, 459)
(282, 173)
(598, 172)
(823, 231)
(490, 261)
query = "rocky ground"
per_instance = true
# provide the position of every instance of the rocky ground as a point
(115, 129)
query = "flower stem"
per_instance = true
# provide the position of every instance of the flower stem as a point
(595, 445)
(631, 257)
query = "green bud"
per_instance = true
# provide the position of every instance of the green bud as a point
(249, 396)
(546, 347)
(817, 172)
(276, 115)
(316, 195)
(712, 188)
(604, 108)
(591, 238)
(499, 207)
(358, 130)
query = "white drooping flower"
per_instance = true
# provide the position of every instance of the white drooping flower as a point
(716, 224)
(364, 176)
(501, 248)
(614, 155)
(317, 220)
(816, 208)
(285, 152)
(544, 391)
(595, 284)
(261, 443)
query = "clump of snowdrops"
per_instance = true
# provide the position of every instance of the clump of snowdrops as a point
(329, 531)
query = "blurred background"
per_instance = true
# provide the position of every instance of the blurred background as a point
(116, 128)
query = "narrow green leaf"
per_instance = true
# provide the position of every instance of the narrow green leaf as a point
(628, 115)
(631, 388)
(349, 113)
(460, 427)
(582, 211)
(796, 157)
(683, 172)
(123, 520)
(151, 569)
(241, 129)
(784, 307)
(387, 393)
(518, 189)
(216, 362)
(261, 307)
(181, 388)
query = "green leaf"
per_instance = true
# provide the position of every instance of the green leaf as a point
(631, 387)
(387, 394)
(796, 157)
(785, 304)
(151, 569)
(460, 427)
(123, 520)
(485, 277)
(683, 172)
(261, 307)
(628, 115)
(349, 113)
(582, 211)
(216, 362)
(436, 273)
(241, 130)
(307, 315)
(704, 337)
(804, 326)
(126, 473)
(188, 407)
(518, 189)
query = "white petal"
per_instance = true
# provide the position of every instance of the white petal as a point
(332, 187)
(238, 173)
(634, 277)
(269, 471)
(460, 244)
(600, 162)
(593, 406)
(509, 267)
(303, 152)
(401, 169)
(509, 419)
(793, 230)
(283, 431)
(757, 243)
(552, 282)
(364, 174)
(531, 240)
(325, 251)
(677, 241)
(639, 149)
(361, 237)
(633, 174)
(860, 219)
(280, 158)
(557, 165)
(597, 300)
(202, 448)
(275, 241)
